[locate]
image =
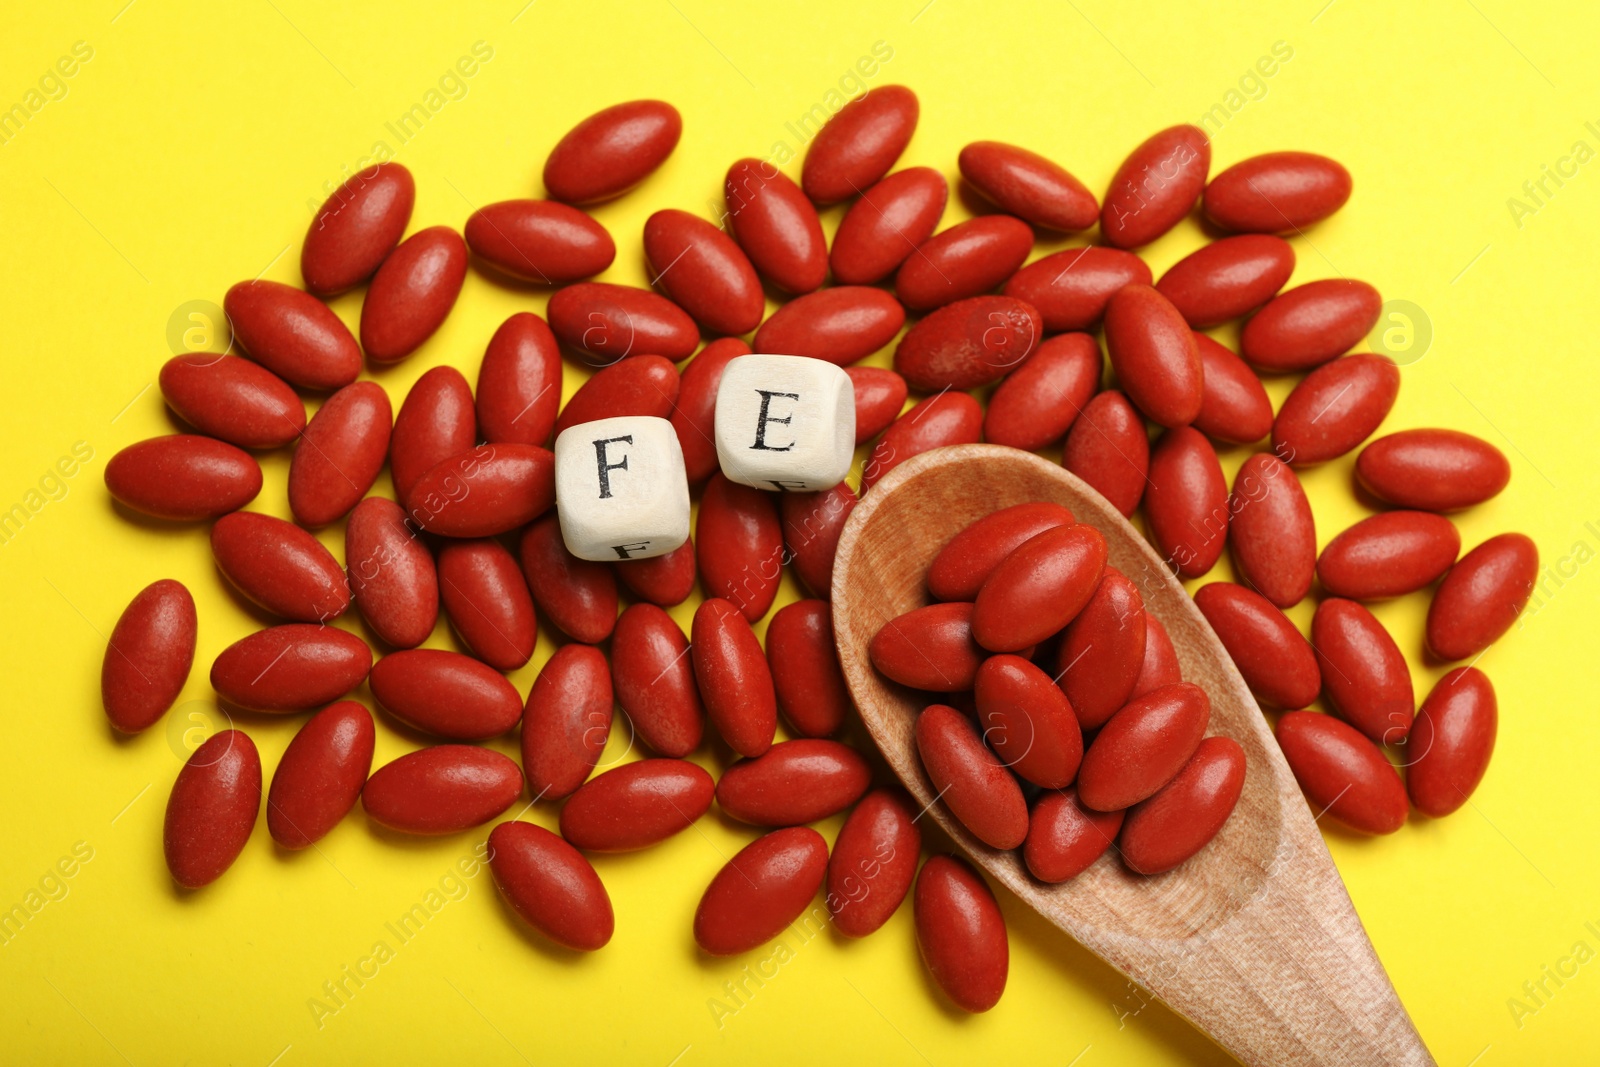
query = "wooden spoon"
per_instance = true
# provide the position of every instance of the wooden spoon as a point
(1254, 940)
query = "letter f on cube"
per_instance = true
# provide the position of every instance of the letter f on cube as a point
(621, 490)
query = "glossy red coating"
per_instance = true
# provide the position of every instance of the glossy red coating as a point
(183, 477)
(1029, 186)
(567, 720)
(519, 383)
(693, 415)
(812, 523)
(1154, 356)
(1275, 659)
(1389, 554)
(968, 343)
(436, 421)
(539, 241)
(320, 776)
(1432, 470)
(1272, 531)
(874, 861)
(654, 680)
(1064, 837)
(735, 682)
(858, 145)
(1027, 721)
(1451, 742)
(212, 809)
(412, 293)
(1071, 288)
(757, 894)
(1234, 407)
(841, 324)
(969, 258)
(340, 454)
(887, 224)
(794, 782)
(445, 694)
(611, 151)
(1227, 279)
(1481, 596)
(1143, 747)
(946, 418)
(551, 886)
(1181, 819)
(1310, 324)
(392, 575)
(665, 580)
(1343, 774)
(1277, 192)
(1102, 650)
(487, 491)
(232, 399)
(292, 667)
(487, 602)
(776, 226)
(1364, 674)
(1160, 666)
(356, 228)
(929, 648)
(1037, 403)
(1109, 449)
(280, 567)
(880, 394)
(1335, 408)
(643, 385)
(292, 334)
(739, 545)
(968, 558)
(148, 656)
(636, 805)
(1039, 588)
(961, 933)
(1156, 186)
(704, 272)
(1186, 502)
(969, 779)
(611, 322)
(442, 790)
(578, 595)
(805, 669)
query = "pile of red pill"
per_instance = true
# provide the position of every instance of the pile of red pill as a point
(1048, 641)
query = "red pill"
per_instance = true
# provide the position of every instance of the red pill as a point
(812, 523)
(929, 648)
(1432, 470)
(1276, 661)
(292, 334)
(611, 322)
(1343, 774)
(968, 343)
(1451, 742)
(887, 224)
(1227, 279)
(1335, 408)
(1154, 356)
(704, 272)
(859, 144)
(977, 788)
(1273, 534)
(1071, 288)
(1160, 665)
(969, 258)
(794, 782)
(412, 293)
(1277, 192)
(1364, 673)
(1064, 837)
(519, 384)
(149, 655)
(946, 418)
(805, 668)
(487, 602)
(1027, 721)
(1039, 588)
(292, 667)
(436, 421)
(232, 399)
(733, 677)
(1481, 596)
(776, 226)
(340, 454)
(550, 885)
(442, 790)
(1186, 505)
(1038, 402)
(664, 580)
(567, 720)
(320, 776)
(880, 394)
(1029, 186)
(968, 558)
(874, 861)
(540, 241)
(1389, 554)
(1180, 820)
(1108, 448)
(212, 809)
(612, 150)
(1310, 324)
(1143, 747)
(487, 491)
(841, 324)
(636, 805)
(739, 545)
(183, 477)
(693, 415)
(961, 933)
(643, 385)
(1234, 406)
(392, 574)
(445, 694)
(280, 567)
(655, 681)
(579, 596)
(1156, 186)
(763, 889)
(1102, 651)
(356, 228)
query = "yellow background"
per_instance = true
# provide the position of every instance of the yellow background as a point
(189, 153)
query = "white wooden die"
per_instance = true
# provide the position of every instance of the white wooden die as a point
(785, 423)
(621, 490)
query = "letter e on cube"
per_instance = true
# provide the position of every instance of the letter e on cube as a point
(785, 423)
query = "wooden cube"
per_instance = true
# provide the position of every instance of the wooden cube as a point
(785, 423)
(621, 490)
